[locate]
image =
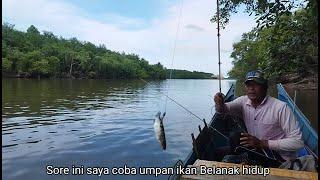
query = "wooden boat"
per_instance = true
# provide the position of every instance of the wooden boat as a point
(211, 143)
(309, 136)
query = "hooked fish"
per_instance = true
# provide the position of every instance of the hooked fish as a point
(159, 129)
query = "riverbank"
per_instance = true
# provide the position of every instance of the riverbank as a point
(294, 81)
(185, 75)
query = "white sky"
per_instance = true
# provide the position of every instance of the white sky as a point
(150, 35)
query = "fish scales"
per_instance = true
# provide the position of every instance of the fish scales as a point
(159, 130)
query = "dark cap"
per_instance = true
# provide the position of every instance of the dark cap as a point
(256, 76)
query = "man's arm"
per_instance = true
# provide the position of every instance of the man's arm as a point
(293, 140)
(234, 106)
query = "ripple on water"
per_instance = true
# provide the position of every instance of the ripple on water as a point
(9, 145)
(33, 142)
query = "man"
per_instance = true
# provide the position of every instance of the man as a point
(269, 121)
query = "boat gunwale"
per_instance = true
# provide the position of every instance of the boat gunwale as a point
(305, 120)
(299, 116)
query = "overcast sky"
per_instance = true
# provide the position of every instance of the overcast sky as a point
(143, 27)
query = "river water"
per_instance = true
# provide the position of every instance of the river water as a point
(98, 123)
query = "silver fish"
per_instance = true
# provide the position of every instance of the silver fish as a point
(159, 130)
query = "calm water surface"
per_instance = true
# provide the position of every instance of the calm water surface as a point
(97, 123)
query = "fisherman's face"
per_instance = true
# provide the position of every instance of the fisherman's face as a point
(255, 91)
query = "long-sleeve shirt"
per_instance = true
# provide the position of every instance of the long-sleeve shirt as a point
(273, 121)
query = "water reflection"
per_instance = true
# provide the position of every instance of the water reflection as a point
(45, 97)
(100, 123)
(33, 104)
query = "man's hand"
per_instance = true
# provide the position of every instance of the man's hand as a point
(219, 100)
(248, 140)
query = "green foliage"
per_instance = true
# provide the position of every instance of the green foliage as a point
(30, 63)
(184, 74)
(32, 54)
(16, 57)
(6, 65)
(53, 63)
(246, 54)
(40, 68)
(267, 13)
(289, 46)
(44, 55)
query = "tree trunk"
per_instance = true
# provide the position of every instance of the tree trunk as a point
(70, 73)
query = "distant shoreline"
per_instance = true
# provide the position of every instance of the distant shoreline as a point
(16, 77)
(306, 84)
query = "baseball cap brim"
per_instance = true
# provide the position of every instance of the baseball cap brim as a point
(257, 80)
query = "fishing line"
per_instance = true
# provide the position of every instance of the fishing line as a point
(224, 136)
(212, 106)
(219, 63)
(176, 102)
(201, 119)
(173, 53)
(171, 69)
(211, 110)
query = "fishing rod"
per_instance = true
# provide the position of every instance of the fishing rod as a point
(219, 63)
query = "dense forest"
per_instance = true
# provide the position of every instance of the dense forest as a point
(184, 74)
(284, 44)
(32, 54)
